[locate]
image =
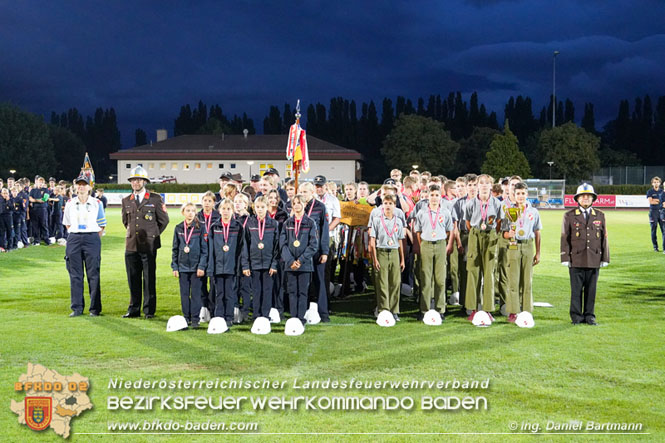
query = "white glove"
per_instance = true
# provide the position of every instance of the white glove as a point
(565, 263)
(604, 264)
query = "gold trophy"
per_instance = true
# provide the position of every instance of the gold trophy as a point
(513, 215)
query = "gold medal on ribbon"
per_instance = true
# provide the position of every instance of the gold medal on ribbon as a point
(521, 233)
(296, 243)
(433, 234)
(260, 245)
(186, 249)
(390, 242)
(483, 226)
(225, 248)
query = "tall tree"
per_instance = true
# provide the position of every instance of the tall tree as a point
(473, 149)
(387, 117)
(69, 152)
(504, 157)
(25, 143)
(569, 112)
(573, 150)
(419, 140)
(588, 119)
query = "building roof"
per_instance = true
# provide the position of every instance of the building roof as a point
(232, 147)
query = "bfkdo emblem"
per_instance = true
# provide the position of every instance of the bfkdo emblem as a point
(38, 412)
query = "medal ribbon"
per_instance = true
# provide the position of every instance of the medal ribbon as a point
(272, 215)
(520, 221)
(385, 227)
(262, 228)
(188, 238)
(309, 213)
(208, 220)
(296, 226)
(483, 210)
(225, 229)
(433, 222)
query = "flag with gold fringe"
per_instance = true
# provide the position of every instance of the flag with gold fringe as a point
(87, 170)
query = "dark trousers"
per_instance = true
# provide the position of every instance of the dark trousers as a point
(190, 295)
(6, 231)
(208, 296)
(140, 268)
(655, 221)
(24, 230)
(39, 224)
(320, 289)
(245, 290)
(84, 250)
(16, 220)
(262, 283)
(297, 286)
(56, 227)
(582, 293)
(278, 288)
(225, 297)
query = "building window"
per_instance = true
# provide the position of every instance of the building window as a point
(233, 165)
(263, 167)
(209, 166)
(162, 166)
(151, 166)
(128, 165)
(174, 166)
(221, 166)
(197, 166)
(185, 167)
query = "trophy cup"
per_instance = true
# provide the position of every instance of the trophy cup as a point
(513, 216)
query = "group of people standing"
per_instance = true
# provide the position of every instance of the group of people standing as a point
(270, 249)
(32, 214)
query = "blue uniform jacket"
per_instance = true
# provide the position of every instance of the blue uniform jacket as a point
(220, 262)
(38, 194)
(197, 258)
(318, 216)
(309, 244)
(18, 203)
(254, 258)
(6, 207)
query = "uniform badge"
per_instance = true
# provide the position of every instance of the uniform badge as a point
(597, 222)
(577, 234)
(38, 412)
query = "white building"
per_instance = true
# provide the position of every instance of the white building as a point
(203, 158)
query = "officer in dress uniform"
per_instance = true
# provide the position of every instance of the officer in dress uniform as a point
(145, 218)
(85, 221)
(584, 249)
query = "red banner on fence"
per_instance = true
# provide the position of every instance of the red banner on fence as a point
(603, 201)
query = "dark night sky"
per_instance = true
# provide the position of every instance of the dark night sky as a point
(147, 58)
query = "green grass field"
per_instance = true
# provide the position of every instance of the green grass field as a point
(554, 372)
